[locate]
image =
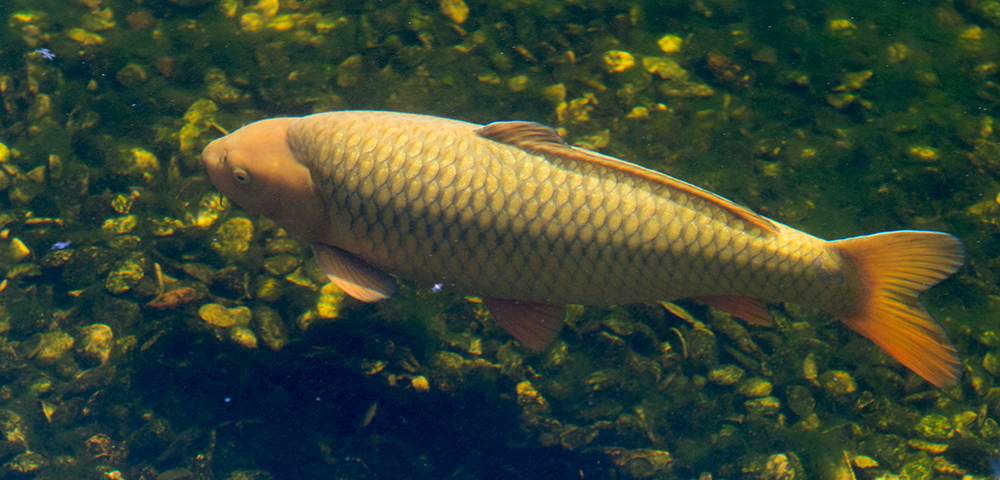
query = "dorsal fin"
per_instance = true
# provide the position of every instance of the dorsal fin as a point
(537, 138)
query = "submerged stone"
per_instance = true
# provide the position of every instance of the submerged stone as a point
(243, 336)
(220, 316)
(755, 388)
(725, 375)
(27, 462)
(232, 239)
(838, 382)
(53, 345)
(126, 274)
(95, 343)
(272, 329)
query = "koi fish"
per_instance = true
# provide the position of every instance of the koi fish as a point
(511, 213)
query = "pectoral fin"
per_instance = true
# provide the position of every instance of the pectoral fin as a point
(355, 277)
(536, 325)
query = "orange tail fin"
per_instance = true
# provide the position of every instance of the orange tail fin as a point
(896, 267)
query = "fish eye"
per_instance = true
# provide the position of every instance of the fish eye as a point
(241, 176)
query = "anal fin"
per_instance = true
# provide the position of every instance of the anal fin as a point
(536, 325)
(355, 277)
(746, 308)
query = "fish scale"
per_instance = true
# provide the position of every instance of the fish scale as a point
(510, 212)
(628, 246)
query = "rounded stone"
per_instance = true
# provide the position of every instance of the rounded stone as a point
(726, 375)
(755, 387)
(221, 316)
(838, 382)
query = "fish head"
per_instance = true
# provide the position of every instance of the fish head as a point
(256, 168)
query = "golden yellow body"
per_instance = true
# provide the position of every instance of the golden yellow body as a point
(508, 211)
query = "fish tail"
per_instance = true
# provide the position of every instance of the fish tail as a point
(895, 267)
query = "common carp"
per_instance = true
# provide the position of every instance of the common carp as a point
(511, 213)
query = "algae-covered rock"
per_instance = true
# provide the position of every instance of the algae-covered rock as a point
(12, 428)
(574, 437)
(243, 337)
(640, 462)
(763, 406)
(838, 383)
(272, 329)
(755, 388)
(95, 343)
(702, 347)
(935, 426)
(232, 239)
(725, 375)
(782, 466)
(26, 463)
(918, 467)
(211, 206)
(220, 316)
(120, 225)
(126, 273)
(800, 400)
(53, 345)
(331, 298)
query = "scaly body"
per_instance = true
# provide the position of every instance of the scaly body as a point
(431, 201)
(510, 212)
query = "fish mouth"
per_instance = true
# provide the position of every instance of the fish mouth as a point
(213, 161)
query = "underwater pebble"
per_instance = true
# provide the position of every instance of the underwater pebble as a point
(267, 289)
(233, 237)
(918, 467)
(173, 299)
(96, 342)
(209, 209)
(243, 336)
(935, 427)
(18, 250)
(809, 369)
(763, 406)
(283, 246)
(725, 375)
(27, 462)
(990, 362)
(574, 437)
(670, 43)
(755, 388)
(281, 265)
(456, 10)
(330, 299)
(617, 61)
(640, 462)
(929, 447)
(53, 345)
(221, 316)
(780, 467)
(838, 382)
(420, 383)
(800, 400)
(272, 329)
(126, 274)
(864, 461)
(120, 225)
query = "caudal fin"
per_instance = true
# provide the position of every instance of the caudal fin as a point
(896, 267)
